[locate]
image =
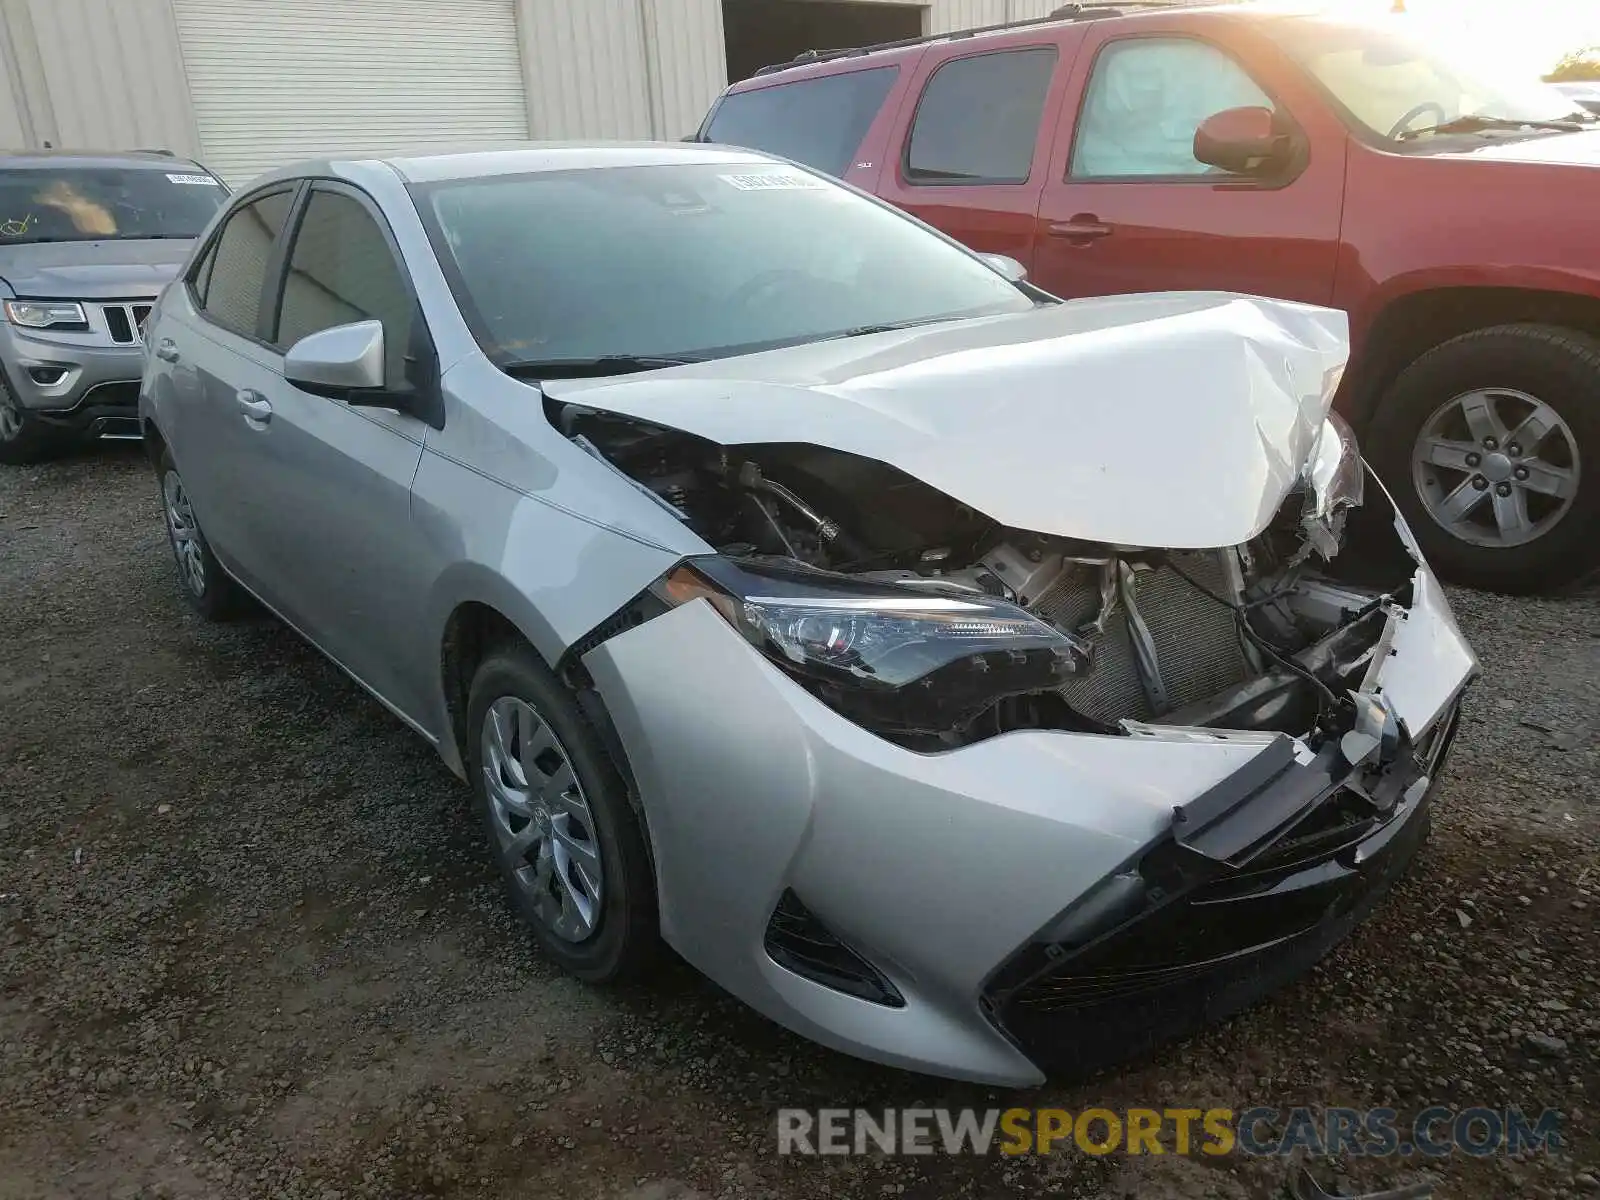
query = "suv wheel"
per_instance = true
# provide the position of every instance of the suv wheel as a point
(560, 823)
(1491, 443)
(209, 589)
(22, 438)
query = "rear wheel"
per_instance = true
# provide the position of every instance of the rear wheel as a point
(23, 439)
(209, 589)
(1491, 443)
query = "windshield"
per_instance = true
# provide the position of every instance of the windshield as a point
(80, 204)
(1395, 85)
(689, 261)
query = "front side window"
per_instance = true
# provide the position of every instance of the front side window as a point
(819, 122)
(1146, 98)
(978, 119)
(341, 270)
(87, 204)
(237, 266)
(692, 260)
(1399, 88)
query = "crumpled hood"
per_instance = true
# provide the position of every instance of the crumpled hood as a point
(101, 270)
(1174, 420)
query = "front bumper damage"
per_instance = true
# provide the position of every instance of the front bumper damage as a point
(1035, 901)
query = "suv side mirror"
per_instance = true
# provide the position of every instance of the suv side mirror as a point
(336, 362)
(1243, 141)
(1007, 266)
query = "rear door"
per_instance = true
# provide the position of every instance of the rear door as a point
(1128, 208)
(976, 136)
(216, 358)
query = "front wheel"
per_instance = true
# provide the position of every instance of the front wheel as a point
(1491, 444)
(23, 439)
(559, 820)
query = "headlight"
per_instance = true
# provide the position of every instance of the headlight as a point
(895, 659)
(1337, 481)
(47, 314)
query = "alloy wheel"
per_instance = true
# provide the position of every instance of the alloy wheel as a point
(186, 543)
(10, 420)
(1496, 467)
(541, 820)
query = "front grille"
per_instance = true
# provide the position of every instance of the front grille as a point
(126, 322)
(798, 941)
(1197, 641)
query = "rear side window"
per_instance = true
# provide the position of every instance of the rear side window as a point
(978, 119)
(236, 270)
(819, 122)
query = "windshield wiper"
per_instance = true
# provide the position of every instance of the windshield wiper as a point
(605, 364)
(1472, 122)
(886, 327)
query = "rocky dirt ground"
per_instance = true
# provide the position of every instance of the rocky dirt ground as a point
(250, 945)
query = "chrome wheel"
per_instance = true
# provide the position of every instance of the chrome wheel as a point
(10, 420)
(186, 543)
(540, 819)
(1496, 467)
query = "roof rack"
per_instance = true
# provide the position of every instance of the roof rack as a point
(149, 150)
(1067, 12)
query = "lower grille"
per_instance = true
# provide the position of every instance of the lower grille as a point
(1197, 642)
(798, 941)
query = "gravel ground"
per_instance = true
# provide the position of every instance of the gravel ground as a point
(250, 945)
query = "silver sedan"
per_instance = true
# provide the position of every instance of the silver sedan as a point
(975, 682)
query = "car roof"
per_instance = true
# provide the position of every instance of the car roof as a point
(1069, 16)
(22, 160)
(522, 158)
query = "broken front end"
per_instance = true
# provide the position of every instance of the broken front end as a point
(982, 801)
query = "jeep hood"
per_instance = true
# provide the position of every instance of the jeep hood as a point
(1175, 420)
(92, 270)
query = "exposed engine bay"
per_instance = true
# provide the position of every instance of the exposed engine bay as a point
(1285, 633)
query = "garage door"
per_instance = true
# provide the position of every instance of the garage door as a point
(278, 80)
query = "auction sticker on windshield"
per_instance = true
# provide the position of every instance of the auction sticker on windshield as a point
(193, 180)
(773, 183)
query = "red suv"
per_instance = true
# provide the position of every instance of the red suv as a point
(1452, 212)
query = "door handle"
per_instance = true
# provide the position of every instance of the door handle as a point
(167, 350)
(255, 407)
(1080, 230)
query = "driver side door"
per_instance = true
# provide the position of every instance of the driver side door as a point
(1128, 208)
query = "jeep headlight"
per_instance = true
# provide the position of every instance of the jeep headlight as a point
(47, 314)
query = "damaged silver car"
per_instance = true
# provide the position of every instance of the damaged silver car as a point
(973, 682)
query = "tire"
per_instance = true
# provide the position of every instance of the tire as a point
(209, 589)
(559, 821)
(23, 438)
(1515, 537)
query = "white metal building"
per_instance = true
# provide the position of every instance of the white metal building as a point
(247, 84)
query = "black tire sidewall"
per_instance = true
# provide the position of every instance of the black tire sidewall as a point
(626, 942)
(34, 443)
(1556, 366)
(221, 597)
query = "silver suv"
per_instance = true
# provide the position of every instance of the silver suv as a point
(87, 242)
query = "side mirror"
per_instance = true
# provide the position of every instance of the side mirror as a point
(338, 361)
(1007, 266)
(1243, 141)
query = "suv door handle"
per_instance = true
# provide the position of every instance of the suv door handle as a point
(255, 407)
(167, 350)
(1080, 230)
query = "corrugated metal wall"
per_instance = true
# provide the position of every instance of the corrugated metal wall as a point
(621, 68)
(96, 73)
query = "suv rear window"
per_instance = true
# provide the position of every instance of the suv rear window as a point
(979, 118)
(819, 122)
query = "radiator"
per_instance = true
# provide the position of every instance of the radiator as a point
(1197, 643)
